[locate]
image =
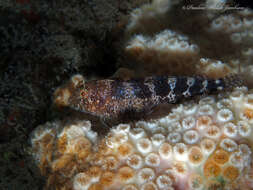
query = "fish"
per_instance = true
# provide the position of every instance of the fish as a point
(111, 98)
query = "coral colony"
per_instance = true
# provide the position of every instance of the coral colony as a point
(196, 146)
(204, 144)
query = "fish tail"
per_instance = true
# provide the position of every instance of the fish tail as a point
(233, 80)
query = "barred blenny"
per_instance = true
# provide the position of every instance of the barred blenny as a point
(110, 98)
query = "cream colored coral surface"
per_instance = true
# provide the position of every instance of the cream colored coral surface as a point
(181, 40)
(197, 146)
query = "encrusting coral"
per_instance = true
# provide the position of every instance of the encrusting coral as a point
(197, 146)
(163, 50)
(185, 41)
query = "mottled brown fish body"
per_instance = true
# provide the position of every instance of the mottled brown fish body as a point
(109, 98)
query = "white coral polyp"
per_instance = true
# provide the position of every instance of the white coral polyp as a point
(180, 151)
(205, 110)
(190, 109)
(165, 150)
(135, 161)
(244, 128)
(184, 45)
(236, 95)
(138, 41)
(194, 48)
(174, 127)
(152, 160)
(207, 146)
(137, 133)
(120, 137)
(168, 41)
(145, 174)
(123, 127)
(245, 150)
(224, 103)
(157, 139)
(174, 137)
(188, 122)
(228, 145)
(172, 117)
(213, 132)
(163, 181)
(110, 163)
(236, 159)
(230, 130)
(224, 115)
(207, 100)
(81, 182)
(203, 122)
(144, 145)
(191, 137)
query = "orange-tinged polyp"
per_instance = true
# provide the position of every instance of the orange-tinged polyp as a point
(248, 113)
(195, 155)
(94, 171)
(231, 172)
(83, 143)
(203, 121)
(62, 143)
(82, 148)
(213, 131)
(65, 165)
(110, 163)
(62, 162)
(47, 140)
(125, 173)
(125, 149)
(195, 181)
(43, 165)
(220, 156)
(103, 148)
(82, 179)
(107, 178)
(96, 186)
(180, 167)
(211, 169)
